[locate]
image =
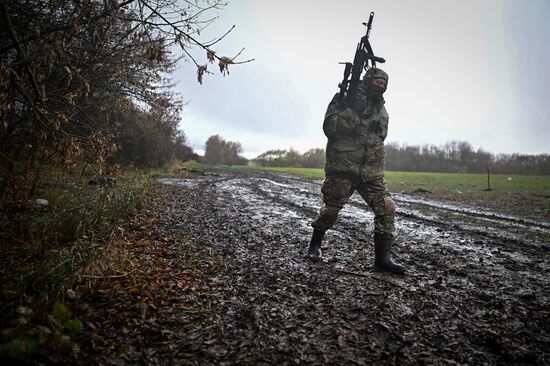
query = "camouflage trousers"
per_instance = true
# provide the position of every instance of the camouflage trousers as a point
(337, 189)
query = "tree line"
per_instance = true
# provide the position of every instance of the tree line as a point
(313, 158)
(88, 83)
(461, 157)
(453, 156)
(219, 151)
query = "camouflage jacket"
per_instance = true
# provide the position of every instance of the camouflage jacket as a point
(356, 140)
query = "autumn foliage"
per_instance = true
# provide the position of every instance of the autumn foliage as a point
(85, 82)
(84, 89)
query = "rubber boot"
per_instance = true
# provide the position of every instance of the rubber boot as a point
(314, 252)
(382, 251)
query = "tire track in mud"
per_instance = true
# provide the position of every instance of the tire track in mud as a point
(469, 211)
(496, 230)
(481, 246)
(470, 297)
(511, 230)
(479, 222)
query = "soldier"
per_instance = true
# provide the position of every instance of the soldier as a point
(355, 161)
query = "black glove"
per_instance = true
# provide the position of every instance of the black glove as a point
(360, 105)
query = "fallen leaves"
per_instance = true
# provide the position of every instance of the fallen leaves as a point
(171, 287)
(211, 283)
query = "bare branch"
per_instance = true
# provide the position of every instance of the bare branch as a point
(20, 53)
(188, 54)
(219, 38)
(237, 55)
(189, 37)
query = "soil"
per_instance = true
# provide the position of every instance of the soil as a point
(477, 288)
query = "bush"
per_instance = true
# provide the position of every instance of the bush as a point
(51, 249)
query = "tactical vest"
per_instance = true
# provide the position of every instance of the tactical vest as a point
(355, 141)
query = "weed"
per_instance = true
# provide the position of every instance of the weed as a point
(51, 249)
(28, 332)
(177, 168)
(193, 166)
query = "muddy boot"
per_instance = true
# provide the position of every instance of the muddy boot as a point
(382, 250)
(314, 252)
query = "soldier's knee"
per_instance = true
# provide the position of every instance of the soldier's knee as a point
(389, 206)
(384, 219)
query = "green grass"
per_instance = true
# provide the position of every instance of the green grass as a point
(439, 183)
(176, 168)
(64, 237)
(64, 246)
(50, 247)
(445, 183)
(193, 166)
(525, 195)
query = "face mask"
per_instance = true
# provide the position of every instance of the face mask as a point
(372, 80)
(375, 92)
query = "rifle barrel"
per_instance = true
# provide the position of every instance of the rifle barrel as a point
(369, 24)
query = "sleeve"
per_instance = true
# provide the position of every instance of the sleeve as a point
(384, 123)
(339, 121)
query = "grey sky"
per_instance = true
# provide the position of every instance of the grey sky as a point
(470, 70)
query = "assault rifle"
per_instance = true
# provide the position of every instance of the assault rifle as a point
(363, 54)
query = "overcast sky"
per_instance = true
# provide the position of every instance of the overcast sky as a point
(469, 70)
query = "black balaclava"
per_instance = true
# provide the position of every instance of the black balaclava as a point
(375, 92)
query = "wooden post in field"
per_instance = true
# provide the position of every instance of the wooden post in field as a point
(488, 179)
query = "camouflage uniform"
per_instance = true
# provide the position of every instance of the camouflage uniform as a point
(355, 161)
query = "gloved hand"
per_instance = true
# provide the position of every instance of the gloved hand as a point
(348, 121)
(360, 102)
(359, 105)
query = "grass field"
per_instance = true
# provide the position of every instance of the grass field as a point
(528, 195)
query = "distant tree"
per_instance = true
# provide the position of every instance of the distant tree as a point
(314, 158)
(272, 158)
(231, 153)
(460, 156)
(213, 150)
(182, 151)
(219, 151)
(293, 158)
(151, 138)
(481, 160)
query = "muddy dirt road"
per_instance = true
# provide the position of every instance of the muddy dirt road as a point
(477, 289)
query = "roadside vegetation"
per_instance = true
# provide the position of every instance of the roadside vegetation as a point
(68, 240)
(88, 115)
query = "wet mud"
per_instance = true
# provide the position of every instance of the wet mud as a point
(477, 290)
